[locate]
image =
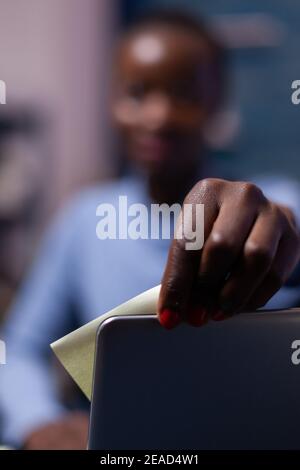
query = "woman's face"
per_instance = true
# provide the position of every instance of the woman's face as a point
(161, 96)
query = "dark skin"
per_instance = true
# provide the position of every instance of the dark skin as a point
(162, 102)
(251, 248)
(69, 433)
(160, 108)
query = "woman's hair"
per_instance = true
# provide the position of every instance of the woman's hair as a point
(172, 18)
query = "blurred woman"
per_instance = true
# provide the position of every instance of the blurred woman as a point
(170, 80)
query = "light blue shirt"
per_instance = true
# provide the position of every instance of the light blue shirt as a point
(75, 278)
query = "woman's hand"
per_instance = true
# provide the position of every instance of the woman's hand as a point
(251, 246)
(68, 433)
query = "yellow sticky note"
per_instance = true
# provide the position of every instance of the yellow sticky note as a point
(76, 351)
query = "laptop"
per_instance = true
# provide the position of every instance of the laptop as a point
(231, 385)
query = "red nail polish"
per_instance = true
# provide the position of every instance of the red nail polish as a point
(218, 315)
(197, 316)
(169, 319)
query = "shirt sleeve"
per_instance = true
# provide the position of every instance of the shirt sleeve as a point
(28, 395)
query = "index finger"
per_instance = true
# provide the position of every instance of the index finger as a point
(181, 271)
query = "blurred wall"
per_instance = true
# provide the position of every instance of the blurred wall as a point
(54, 55)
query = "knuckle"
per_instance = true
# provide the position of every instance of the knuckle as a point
(250, 192)
(208, 183)
(204, 187)
(218, 242)
(259, 255)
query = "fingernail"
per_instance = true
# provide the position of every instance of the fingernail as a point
(169, 319)
(197, 316)
(218, 315)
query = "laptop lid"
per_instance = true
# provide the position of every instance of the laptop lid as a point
(228, 385)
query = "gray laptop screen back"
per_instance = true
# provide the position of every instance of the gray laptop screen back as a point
(228, 385)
